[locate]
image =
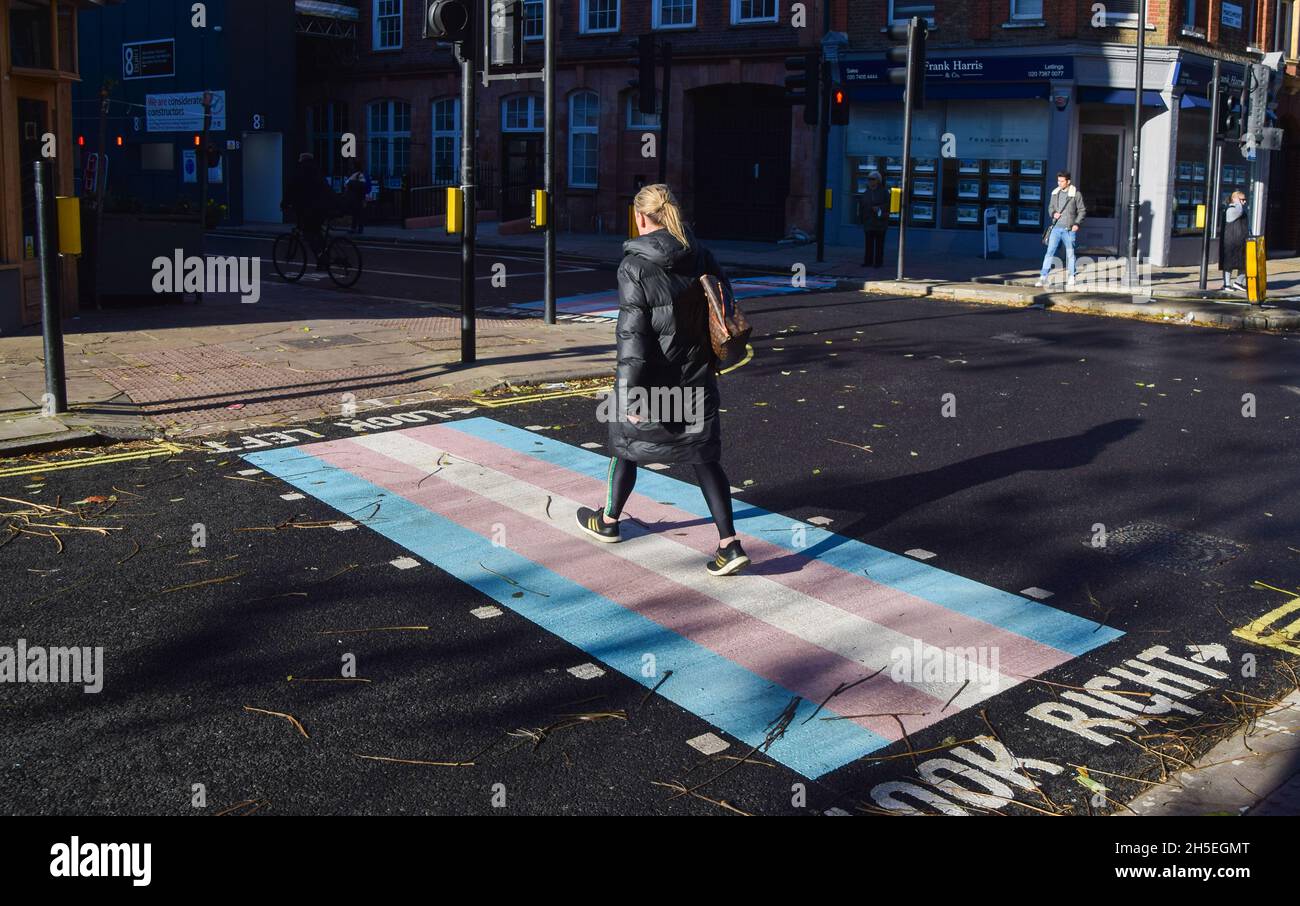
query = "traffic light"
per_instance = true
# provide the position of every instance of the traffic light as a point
(506, 33)
(449, 20)
(911, 54)
(647, 89)
(1228, 127)
(839, 105)
(803, 84)
(1257, 80)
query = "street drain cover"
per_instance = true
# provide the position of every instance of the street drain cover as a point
(1177, 551)
(343, 339)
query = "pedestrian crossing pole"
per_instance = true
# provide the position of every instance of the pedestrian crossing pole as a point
(1211, 202)
(548, 76)
(468, 164)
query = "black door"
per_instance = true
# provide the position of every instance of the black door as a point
(742, 162)
(524, 159)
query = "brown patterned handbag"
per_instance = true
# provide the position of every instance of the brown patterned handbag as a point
(729, 331)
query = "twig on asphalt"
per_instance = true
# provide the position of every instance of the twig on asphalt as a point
(375, 629)
(289, 717)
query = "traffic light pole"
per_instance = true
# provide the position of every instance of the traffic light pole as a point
(468, 165)
(1135, 183)
(823, 165)
(1211, 202)
(905, 191)
(101, 177)
(666, 100)
(549, 234)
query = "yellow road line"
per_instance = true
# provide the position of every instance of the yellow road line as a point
(1263, 632)
(102, 460)
(540, 397)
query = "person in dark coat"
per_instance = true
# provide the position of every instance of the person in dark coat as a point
(664, 407)
(1232, 242)
(355, 192)
(873, 207)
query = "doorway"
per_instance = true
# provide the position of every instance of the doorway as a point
(35, 106)
(523, 157)
(263, 177)
(742, 161)
(1101, 180)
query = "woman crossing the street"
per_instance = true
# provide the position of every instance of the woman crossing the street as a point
(665, 353)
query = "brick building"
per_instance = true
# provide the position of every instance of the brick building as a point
(743, 163)
(1025, 88)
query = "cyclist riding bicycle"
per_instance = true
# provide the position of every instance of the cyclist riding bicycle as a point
(312, 201)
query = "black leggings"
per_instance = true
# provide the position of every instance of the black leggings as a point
(713, 482)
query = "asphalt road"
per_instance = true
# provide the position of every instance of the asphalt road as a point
(1002, 442)
(406, 273)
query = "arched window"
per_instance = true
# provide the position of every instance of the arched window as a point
(390, 139)
(446, 141)
(584, 131)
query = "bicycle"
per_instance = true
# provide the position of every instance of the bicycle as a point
(292, 254)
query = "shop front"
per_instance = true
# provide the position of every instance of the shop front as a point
(995, 130)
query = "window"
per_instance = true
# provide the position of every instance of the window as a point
(584, 128)
(326, 124)
(1027, 9)
(31, 34)
(674, 14)
(599, 15)
(534, 20)
(902, 10)
(1189, 14)
(446, 141)
(387, 25)
(158, 156)
(524, 113)
(1282, 34)
(753, 11)
(390, 139)
(638, 120)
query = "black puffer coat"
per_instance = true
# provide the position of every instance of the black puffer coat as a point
(663, 342)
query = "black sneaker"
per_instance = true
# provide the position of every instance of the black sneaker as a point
(728, 560)
(593, 523)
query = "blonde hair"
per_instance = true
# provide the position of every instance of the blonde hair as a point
(658, 205)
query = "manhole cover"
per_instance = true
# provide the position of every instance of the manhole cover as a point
(1180, 552)
(345, 339)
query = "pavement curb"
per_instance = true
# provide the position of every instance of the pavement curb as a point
(1192, 312)
(841, 282)
(54, 442)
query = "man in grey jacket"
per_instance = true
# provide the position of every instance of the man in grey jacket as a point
(1067, 211)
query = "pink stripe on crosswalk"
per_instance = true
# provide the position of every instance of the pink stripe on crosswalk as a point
(855, 593)
(777, 656)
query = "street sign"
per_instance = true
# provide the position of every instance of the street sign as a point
(149, 59)
(991, 243)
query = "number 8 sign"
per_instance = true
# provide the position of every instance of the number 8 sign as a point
(128, 61)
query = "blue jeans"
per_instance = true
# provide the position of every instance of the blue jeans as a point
(1058, 236)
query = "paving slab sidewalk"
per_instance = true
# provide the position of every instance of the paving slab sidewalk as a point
(186, 369)
(1256, 773)
(1175, 291)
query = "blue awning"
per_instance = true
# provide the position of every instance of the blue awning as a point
(1119, 96)
(1191, 100)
